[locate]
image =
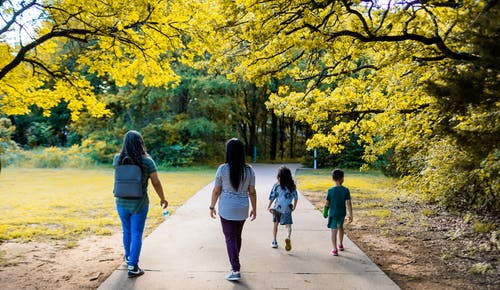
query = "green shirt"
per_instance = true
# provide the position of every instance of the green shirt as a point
(337, 196)
(136, 205)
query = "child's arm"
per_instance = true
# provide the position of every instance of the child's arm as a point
(349, 208)
(295, 197)
(272, 198)
(326, 208)
(269, 206)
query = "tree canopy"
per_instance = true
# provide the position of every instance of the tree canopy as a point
(46, 44)
(417, 80)
(415, 83)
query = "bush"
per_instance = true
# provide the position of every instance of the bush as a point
(177, 154)
(99, 151)
(51, 157)
(455, 179)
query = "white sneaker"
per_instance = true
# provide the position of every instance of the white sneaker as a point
(233, 276)
(274, 244)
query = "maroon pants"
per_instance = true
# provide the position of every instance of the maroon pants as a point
(232, 231)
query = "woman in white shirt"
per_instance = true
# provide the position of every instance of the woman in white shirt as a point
(234, 187)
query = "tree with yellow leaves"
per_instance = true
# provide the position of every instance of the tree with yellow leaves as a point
(122, 41)
(391, 72)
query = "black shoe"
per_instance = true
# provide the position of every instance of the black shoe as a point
(125, 259)
(134, 271)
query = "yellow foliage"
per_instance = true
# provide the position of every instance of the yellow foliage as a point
(120, 40)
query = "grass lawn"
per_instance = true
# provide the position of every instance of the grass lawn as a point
(42, 204)
(370, 191)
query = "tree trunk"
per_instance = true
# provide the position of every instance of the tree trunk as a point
(292, 139)
(282, 137)
(274, 136)
(253, 119)
(244, 134)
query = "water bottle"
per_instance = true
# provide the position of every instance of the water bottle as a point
(165, 213)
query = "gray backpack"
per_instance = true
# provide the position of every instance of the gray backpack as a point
(128, 181)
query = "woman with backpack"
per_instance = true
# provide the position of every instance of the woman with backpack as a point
(133, 210)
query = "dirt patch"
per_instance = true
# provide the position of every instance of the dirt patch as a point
(420, 247)
(82, 264)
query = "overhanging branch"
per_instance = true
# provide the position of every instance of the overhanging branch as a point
(69, 33)
(9, 23)
(405, 37)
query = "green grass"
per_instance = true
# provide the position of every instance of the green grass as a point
(365, 184)
(370, 191)
(40, 204)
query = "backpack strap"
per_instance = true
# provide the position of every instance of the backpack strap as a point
(127, 160)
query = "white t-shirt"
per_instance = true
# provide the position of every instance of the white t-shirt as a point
(233, 203)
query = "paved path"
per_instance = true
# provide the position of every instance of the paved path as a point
(188, 252)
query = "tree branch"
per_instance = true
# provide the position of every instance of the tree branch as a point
(407, 36)
(36, 63)
(69, 33)
(361, 18)
(355, 114)
(9, 23)
(367, 35)
(285, 65)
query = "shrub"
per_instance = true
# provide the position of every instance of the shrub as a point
(51, 157)
(455, 179)
(99, 151)
(177, 154)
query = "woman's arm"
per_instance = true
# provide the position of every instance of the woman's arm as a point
(215, 196)
(253, 201)
(155, 180)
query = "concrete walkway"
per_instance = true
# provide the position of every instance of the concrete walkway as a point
(188, 251)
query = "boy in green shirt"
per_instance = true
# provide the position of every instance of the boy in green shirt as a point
(337, 199)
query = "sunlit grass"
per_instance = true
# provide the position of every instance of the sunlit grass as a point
(371, 183)
(370, 191)
(70, 203)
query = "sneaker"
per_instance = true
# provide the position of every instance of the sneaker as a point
(341, 247)
(288, 244)
(134, 271)
(125, 259)
(233, 276)
(334, 252)
(274, 244)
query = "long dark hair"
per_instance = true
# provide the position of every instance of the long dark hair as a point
(133, 147)
(235, 157)
(285, 178)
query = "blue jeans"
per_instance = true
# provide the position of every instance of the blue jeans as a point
(133, 227)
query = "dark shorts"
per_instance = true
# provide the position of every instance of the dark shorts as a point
(282, 218)
(335, 222)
